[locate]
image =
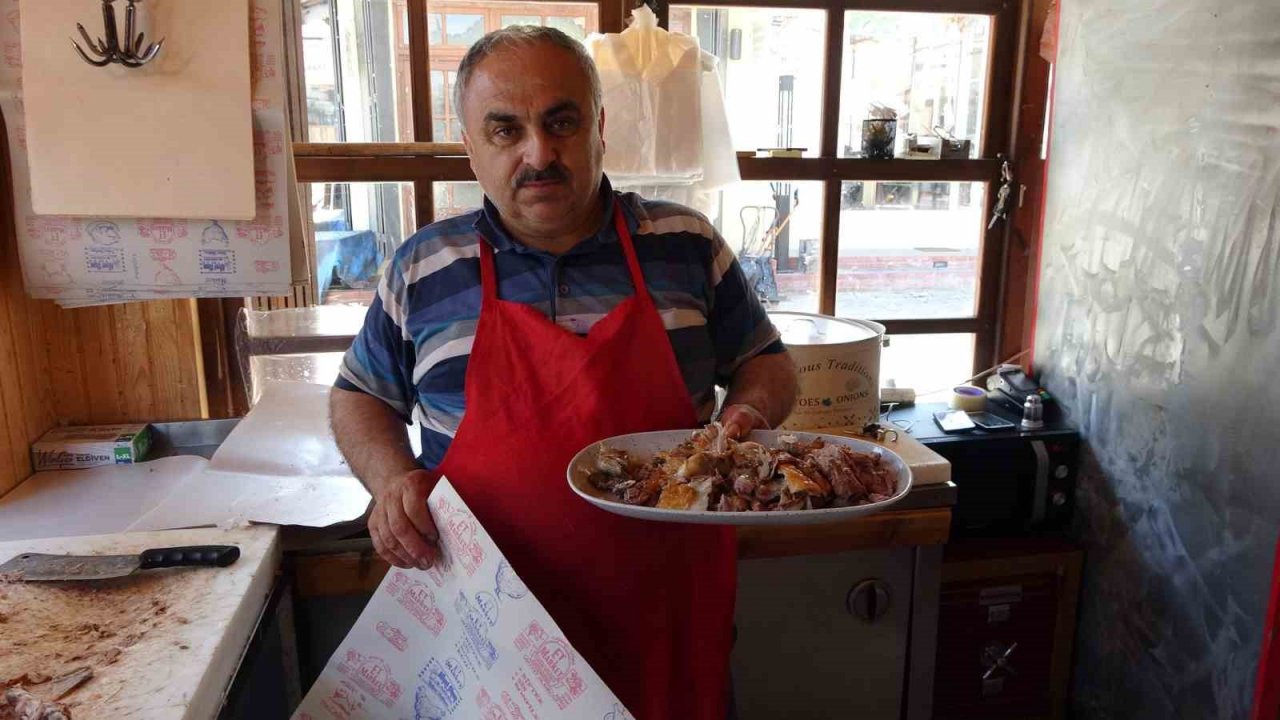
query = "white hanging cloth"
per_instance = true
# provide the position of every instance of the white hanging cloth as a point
(665, 121)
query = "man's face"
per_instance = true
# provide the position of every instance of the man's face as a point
(535, 143)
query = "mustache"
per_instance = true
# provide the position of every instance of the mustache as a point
(553, 172)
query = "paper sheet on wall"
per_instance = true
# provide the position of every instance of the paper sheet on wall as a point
(464, 640)
(89, 261)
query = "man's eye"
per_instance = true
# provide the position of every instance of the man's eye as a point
(564, 125)
(504, 133)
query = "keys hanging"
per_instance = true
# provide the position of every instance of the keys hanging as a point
(1001, 211)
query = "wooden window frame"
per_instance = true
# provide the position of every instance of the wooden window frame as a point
(424, 162)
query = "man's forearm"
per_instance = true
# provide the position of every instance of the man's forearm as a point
(372, 438)
(766, 383)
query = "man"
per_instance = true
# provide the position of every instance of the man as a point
(561, 314)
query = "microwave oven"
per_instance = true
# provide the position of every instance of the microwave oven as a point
(1009, 482)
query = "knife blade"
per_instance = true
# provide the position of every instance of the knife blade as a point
(38, 567)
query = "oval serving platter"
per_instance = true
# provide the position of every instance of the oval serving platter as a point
(646, 445)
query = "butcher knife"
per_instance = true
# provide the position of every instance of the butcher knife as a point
(36, 567)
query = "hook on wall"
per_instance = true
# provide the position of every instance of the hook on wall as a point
(109, 49)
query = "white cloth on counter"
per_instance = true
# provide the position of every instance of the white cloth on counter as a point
(280, 465)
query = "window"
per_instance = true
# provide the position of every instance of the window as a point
(776, 230)
(903, 241)
(931, 69)
(913, 253)
(773, 84)
(357, 228)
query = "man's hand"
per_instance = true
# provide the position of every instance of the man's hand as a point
(400, 524)
(739, 420)
(761, 394)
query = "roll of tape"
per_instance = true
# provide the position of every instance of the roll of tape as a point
(968, 398)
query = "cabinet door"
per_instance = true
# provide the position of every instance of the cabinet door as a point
(803, 653)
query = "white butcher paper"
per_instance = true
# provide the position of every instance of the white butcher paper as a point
(463, 640)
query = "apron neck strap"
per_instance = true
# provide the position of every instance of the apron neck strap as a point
(489, 275)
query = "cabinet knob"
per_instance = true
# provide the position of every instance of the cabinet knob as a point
(869, 600)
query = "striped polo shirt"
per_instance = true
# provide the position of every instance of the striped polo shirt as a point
(413, 350)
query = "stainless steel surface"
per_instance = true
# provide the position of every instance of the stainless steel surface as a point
(922, 655)
(39, 567)
(189, 437)
(801, 654)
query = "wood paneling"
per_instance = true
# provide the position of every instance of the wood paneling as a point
(122, 363)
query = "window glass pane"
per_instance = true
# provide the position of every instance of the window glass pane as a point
(509, 20)
(435, 25)
(927, 363)
(574, 27)
(775, 228)
(928, 67)
(437, 93)
(358, 226)
(463, 29)
(909, 250)
(584, 17)
(771, 71)
(456, 198)
(356, 71)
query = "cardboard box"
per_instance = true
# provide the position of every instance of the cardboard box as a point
(81, 447)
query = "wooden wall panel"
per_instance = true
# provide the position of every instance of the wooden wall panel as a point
(120, 363)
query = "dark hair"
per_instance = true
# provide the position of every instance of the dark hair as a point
(523, 36)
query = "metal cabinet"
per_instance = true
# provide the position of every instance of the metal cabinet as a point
(825, 636)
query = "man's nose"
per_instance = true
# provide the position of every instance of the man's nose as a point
(539, 150)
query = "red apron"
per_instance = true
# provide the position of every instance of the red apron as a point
(649, 605)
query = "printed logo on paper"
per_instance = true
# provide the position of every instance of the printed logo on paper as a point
(103, 232)
(418, 600)
(52, 231)
(263, 62)
(344, 702)
(437, 694)
(261, 231)
(490, 709)
(162, 231)
(488, 606)
(265, 188)
(13, 55)
(551, 660)
(508, 583)
(267, 143)
(99, 260)
(393, 635)
(217, 262)
(475, 645)
(214, 235)
(264, 267)
(371, 674)
(460, 531)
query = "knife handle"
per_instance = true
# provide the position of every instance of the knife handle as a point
(190, 556)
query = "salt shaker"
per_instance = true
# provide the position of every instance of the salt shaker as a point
(1033, 413)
